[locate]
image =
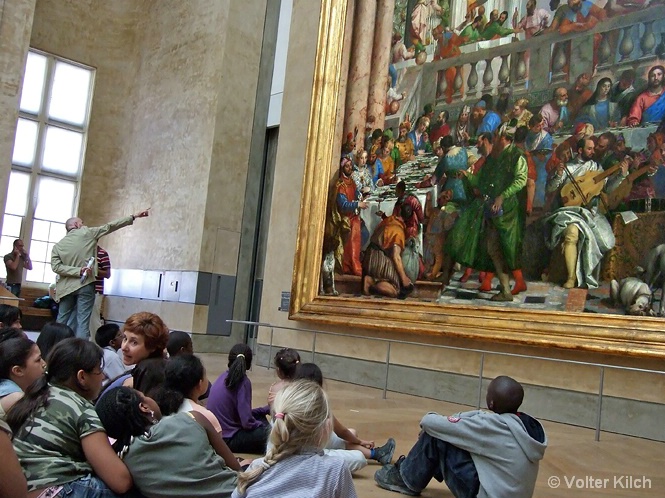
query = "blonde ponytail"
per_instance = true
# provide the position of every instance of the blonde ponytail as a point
(302, 421)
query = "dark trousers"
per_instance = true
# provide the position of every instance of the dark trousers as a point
(432, 457)
(250, 441)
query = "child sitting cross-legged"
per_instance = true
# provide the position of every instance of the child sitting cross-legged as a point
(493, 452)
(294, 464)
(246, 430)
(345, 442)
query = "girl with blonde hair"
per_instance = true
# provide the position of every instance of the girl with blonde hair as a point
(295, 464)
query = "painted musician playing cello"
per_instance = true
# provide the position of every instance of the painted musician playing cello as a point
(577, 226)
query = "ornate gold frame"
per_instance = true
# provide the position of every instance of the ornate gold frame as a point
(632, 336)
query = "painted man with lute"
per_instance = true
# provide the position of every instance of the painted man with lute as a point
(578, 226)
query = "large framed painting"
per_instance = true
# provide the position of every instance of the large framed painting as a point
(494, 172)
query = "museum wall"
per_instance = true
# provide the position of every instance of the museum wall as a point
(15, 24)
(170, 130)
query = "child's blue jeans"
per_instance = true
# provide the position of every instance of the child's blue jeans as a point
(90, 487)
(432, 457)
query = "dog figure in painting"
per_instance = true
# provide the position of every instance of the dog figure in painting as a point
(654, 274)
(633, 294)
(327, 280)
(327, 283)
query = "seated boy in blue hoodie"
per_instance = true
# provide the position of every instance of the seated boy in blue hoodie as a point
(479, 453)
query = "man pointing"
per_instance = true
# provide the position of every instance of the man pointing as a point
(75, 288)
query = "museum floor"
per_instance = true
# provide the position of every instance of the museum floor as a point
(573, 457)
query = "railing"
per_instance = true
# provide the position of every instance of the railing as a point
(543, 61)
(389, 342)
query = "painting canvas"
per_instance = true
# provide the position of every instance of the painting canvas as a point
(499, 173)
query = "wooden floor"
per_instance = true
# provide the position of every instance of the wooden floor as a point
(573, 458)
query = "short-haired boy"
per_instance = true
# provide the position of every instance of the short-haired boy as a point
(480, 453)
(109, 338)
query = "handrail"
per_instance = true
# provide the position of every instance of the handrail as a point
(482, 352)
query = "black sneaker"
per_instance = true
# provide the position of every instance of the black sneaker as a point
(384, 454)
(388, 477)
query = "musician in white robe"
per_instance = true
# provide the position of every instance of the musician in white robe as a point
(584, 234)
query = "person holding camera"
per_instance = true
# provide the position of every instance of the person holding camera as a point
(15, 262)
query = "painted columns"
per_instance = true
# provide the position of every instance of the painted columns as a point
(340, 130)
(360, 65)
(376, 105)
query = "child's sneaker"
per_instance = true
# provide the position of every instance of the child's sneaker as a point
(384, 454)
(388, 477)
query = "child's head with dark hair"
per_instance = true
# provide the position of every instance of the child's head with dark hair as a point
(309, 371)
(74, 363)
(126, 413)
(286, 361)
(7, 333)
(149, 375)
(240, 360)
(179, 342)
(504, 395)
(184, 377)
(109, 335)
(21, 361)
(10, 316)
(52, 333)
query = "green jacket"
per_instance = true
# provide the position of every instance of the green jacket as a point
(495, 29)
(73, 252)
(504, 175)
(470, 33)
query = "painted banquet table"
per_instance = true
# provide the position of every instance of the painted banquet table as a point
(384, 199)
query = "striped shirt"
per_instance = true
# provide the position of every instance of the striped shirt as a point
(103, 264)
(305, 475)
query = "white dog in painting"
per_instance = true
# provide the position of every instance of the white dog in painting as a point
(633, 294)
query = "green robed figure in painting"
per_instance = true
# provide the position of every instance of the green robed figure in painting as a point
(489, 233)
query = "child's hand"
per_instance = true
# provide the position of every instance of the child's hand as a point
(367, 444)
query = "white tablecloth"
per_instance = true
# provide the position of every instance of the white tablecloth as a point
(384, 199)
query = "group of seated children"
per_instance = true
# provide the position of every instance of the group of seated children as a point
(148, 435)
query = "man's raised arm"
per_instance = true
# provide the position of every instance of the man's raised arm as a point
(112, 226)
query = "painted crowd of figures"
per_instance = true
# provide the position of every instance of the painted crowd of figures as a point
(498, 168)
